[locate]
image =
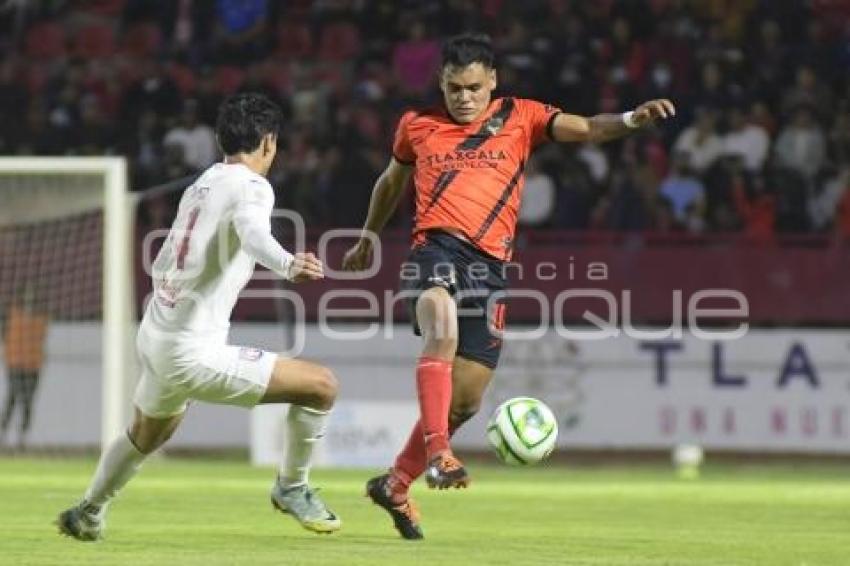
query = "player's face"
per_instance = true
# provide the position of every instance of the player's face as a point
(467, 90)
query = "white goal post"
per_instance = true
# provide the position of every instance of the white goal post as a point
(46, 189)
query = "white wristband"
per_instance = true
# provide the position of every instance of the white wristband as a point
(629, 120)
(288, 264)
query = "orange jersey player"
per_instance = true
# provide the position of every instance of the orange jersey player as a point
(469, 176)
(467, 161)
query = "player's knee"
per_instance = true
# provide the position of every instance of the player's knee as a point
(325, 387)
(147, 435)
(144, 443)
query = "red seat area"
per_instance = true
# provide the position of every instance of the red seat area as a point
(294, 40)
(228, 79)
(339, 42)
(46, 40)
(95, 41)
(142, 40)
(183, 77)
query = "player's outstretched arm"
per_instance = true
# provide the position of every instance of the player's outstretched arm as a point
(252, 222)
(385, 198)
(305, 266)
(605, 127)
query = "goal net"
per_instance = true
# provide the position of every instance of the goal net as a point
(66, 361)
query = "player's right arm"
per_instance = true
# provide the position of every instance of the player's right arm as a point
(386, 195)
(252, 222)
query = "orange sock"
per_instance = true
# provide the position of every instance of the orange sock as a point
(434, 388)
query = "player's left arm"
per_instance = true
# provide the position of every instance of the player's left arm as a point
(604, 127)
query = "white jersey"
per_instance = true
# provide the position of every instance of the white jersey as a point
(222, 228)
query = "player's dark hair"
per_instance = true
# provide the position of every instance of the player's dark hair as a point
(468, 48)
(244, 119)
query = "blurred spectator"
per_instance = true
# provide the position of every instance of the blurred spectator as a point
(196, 139)
(713, 91)
(538, 196)
(94, 135)
(174, 164)
(718, 46)
(683, 190)
(300, 165)
(576, 194)
(747, 140)
(13, 98)
(345, 70)
(757, 210)
(801, 145)
(39, 137)
(760, 115)
(808, 91)
(841, 226)
(839, 136)
(145, 152)
(824, 203)
(766, 61)
(207, 96)
(349, 192)
(792, 191)
(240, 30)
(596, 161)
(625, 205)
(257, 80)
(663, 219)
(415, 60)
(519, 60)
(575, 66)
(700, 141)
(625, 54)
(153, 90)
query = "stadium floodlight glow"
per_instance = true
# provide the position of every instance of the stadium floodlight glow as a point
(46, 191)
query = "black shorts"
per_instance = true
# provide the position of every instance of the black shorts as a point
(471, 277)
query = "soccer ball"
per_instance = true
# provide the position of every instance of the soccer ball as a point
(687, 459)
(522, 431)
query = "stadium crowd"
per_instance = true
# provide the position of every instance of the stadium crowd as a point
(761, 143)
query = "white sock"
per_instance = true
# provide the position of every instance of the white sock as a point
(118, 464)
(304, 427)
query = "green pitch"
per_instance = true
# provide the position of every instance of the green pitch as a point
(206, 513)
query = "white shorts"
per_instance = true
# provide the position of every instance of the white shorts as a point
(174, 372)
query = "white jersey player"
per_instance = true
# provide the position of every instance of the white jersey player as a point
(222, 229)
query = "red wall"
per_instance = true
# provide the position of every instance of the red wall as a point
(793, 282)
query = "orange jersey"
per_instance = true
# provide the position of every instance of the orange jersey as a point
(469, 177)
(24, 339)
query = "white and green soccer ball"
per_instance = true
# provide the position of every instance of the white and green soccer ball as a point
(522, 431)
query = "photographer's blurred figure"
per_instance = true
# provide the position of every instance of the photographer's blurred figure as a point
(24, 331)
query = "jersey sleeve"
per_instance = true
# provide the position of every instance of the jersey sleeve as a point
(252, 222)
(539, 118)
(402, 148)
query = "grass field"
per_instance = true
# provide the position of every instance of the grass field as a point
(204, 513)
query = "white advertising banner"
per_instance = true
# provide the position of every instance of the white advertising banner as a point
(360, 434)
(783, 390)
(771, 390)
